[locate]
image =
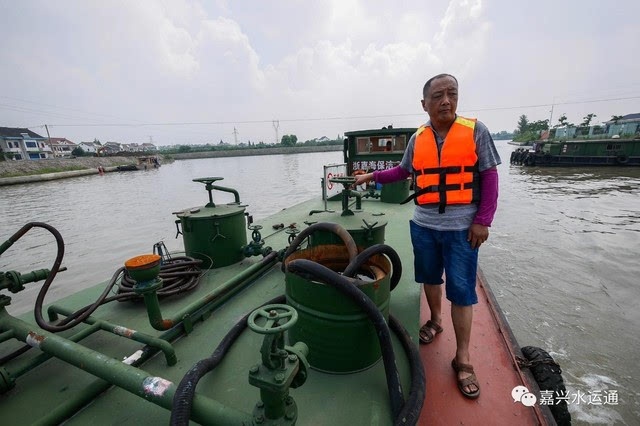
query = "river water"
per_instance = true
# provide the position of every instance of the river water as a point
(562, 257)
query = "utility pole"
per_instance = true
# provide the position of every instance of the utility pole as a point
(235, 135)
(551, 117)
(48, 135)
(276, 126)
(49, 138)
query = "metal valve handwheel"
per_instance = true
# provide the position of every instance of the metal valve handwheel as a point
(262, 320)
(343, 180)
(208, 180)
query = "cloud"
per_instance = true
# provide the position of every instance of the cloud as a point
(179, 61)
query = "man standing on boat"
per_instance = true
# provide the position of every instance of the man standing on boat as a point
(453, 162)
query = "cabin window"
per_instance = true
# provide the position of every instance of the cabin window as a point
(400, 143)
(363, 145)
(380, 144)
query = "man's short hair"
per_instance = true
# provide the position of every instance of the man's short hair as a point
(427, 85)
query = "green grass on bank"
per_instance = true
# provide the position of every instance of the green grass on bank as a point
(42, 171)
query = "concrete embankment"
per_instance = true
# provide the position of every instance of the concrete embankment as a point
(27, 171)
(256, 151)
(15, 180)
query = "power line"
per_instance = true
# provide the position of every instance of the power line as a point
(59, 107)
(311, 119)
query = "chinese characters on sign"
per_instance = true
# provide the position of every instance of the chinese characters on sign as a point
(374, 165)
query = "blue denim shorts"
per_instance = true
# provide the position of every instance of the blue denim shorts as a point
(436, 252)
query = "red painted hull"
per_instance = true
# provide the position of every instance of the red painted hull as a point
(493, 351)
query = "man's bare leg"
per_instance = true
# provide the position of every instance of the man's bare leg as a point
(462, 317)
(434, 299)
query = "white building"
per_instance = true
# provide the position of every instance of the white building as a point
(61, 147)
(90, 147)
(23, 144)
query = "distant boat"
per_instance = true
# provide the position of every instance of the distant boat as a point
(521, 144)
(601, 152)
(142, 163)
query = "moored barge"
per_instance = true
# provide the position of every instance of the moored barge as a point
(601, 152)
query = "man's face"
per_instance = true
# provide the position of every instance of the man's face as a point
(441, 100)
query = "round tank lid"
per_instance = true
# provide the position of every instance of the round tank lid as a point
(220, 210)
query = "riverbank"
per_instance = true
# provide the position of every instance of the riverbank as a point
(17, 172)
(256, 151)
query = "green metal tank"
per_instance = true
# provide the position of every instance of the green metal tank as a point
(396, 192)
(340, 336)
(366, 228)
(214, 233)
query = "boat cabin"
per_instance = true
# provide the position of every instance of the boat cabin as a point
(380, 149)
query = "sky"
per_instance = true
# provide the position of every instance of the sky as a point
(190, 72)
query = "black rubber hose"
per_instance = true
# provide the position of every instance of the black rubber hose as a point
(180, 274)
(410, 413)
(183, 398)
(338, 230)
(348, 286)
(355, 265)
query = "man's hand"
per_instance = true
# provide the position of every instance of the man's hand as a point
(477, 235)
(362, 179)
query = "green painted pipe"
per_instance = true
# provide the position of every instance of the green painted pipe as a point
(21, 366)
(358, 196)
(154, 389)
(71, 406)
(7, 335)
(210, 300)
(163, 345)
(235, 193)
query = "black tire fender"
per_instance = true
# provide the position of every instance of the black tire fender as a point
(548, 375)
(622, 159)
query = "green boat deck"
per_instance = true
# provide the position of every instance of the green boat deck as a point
(359, 398)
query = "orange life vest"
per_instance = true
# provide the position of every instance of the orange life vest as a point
(448, 177)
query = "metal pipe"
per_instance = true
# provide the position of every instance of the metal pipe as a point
(231, 190)
(22, 366)
(210, 300)
(7, 335)
(154, 342)
(358, 197)
(140, 383)
(71, 406)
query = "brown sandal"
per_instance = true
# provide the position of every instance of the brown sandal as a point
(426, 335)
(471, 380)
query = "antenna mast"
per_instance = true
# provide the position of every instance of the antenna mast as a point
(235, 135)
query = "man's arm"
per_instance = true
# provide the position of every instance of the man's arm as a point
(488, 159)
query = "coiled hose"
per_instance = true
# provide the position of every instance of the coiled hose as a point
(183, 398)
(338, 230)
(355, 265)
(179, 274)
